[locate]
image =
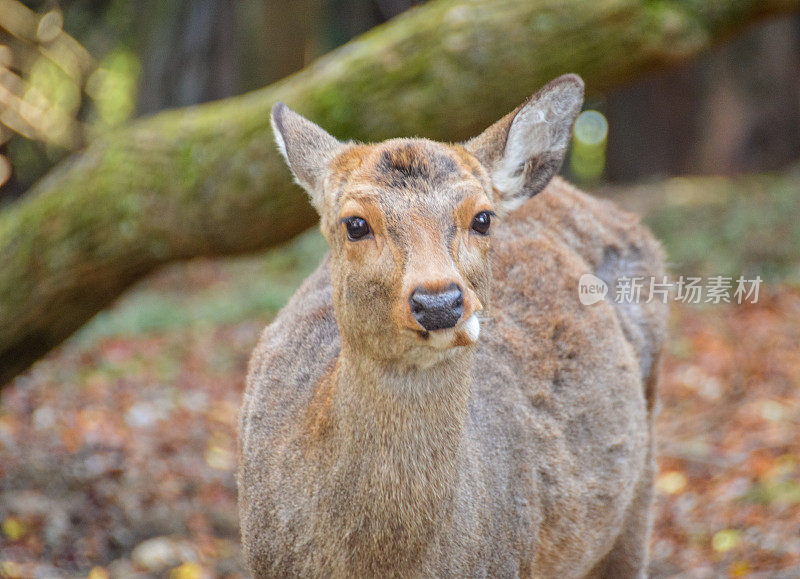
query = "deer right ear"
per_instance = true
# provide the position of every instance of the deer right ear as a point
(525, 149)
(307, 148)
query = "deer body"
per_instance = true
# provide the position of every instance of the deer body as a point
(523, 447)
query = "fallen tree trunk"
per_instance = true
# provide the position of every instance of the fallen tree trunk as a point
(207, 180)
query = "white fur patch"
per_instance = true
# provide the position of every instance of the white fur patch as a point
(440, 339)
(472, 327)
(279, 138)
(511, 204)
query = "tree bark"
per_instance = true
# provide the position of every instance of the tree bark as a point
(207, 180)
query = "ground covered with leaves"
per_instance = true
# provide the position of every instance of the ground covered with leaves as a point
(118, 451)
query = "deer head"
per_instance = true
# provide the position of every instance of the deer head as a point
(409, 221)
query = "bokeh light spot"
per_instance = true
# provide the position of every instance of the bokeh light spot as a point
(588, 159)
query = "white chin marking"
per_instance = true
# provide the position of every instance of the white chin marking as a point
(472, 327)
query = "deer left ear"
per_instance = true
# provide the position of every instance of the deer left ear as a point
(525, 149)
(307, 148)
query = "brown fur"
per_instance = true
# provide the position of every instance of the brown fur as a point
(370, 449)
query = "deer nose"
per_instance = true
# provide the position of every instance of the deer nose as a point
(437, 310)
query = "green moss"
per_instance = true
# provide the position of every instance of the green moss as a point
(188, 169)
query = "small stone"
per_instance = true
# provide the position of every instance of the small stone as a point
(161, 553)
(121, 568)
(143, 415)
(155, 554)
(47, 572)
(44, 418)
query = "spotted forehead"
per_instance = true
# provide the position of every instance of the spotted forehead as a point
(414, 164)
(412, 169)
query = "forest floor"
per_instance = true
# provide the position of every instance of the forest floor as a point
(118, 450)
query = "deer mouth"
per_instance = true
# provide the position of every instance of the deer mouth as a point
(464, 333)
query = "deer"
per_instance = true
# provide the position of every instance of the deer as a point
(434, 400)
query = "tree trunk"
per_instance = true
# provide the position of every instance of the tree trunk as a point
(208, 180)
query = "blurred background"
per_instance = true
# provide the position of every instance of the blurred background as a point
(118, 449)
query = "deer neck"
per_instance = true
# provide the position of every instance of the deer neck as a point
(402, 408)
(395, 443)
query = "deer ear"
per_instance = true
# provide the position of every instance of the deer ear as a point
(525, 149)
(307, 148)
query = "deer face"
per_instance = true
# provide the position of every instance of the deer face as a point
(409, 224)
(409, 221)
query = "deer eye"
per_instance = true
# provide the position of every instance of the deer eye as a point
(481, 222)
(357, 227)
